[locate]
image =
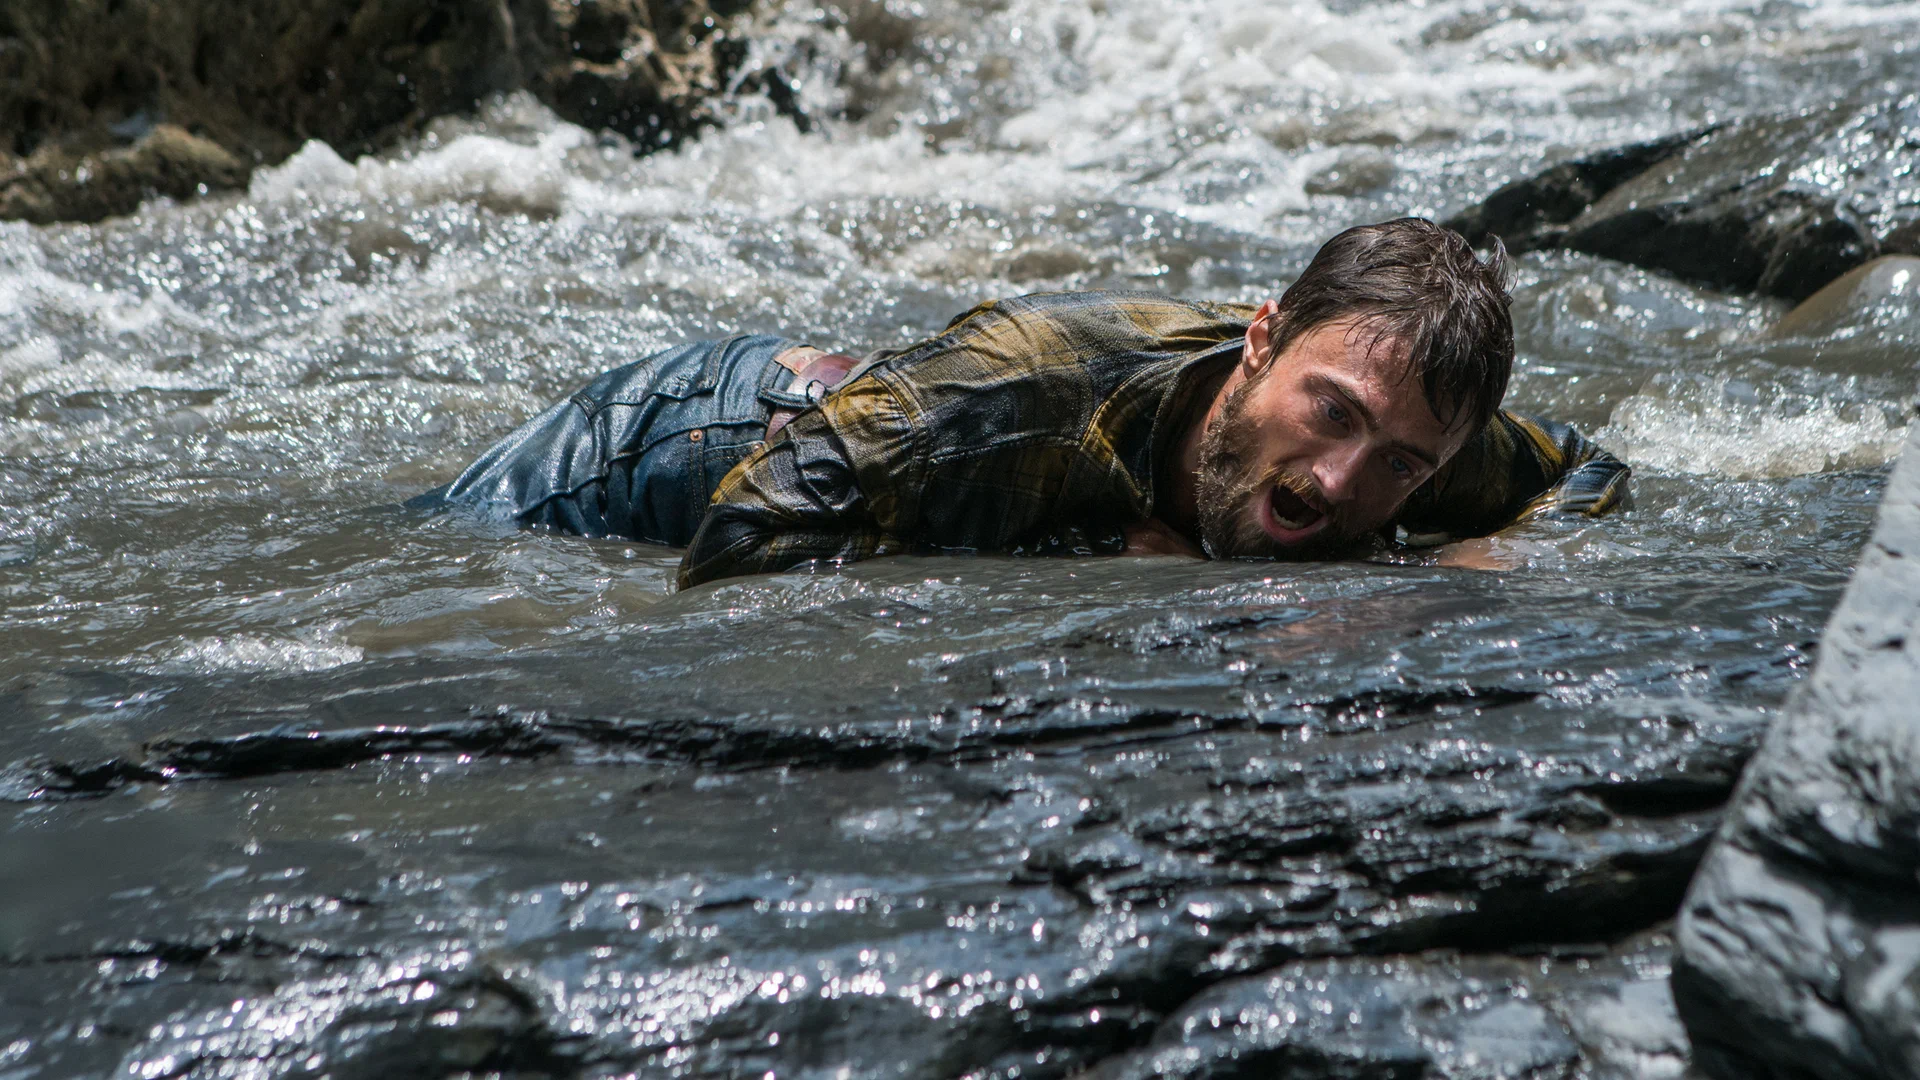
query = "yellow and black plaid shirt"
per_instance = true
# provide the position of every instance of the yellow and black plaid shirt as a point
(1043, 417)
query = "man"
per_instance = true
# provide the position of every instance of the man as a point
(1366, 397)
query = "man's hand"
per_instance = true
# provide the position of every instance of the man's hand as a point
(1154, 537)
(1499, 552)
(1481, 553)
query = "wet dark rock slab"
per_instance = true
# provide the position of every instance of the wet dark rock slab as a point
(1427, 1015)
(1800, 939)
(104, 104)
(1778, 205)
(683, 854)
(645, 917)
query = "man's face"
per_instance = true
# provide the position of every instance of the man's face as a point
(1317, 449)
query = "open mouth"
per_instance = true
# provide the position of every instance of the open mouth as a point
(1292, 513)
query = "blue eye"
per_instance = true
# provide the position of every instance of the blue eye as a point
(1401, 469)
(1336, 414)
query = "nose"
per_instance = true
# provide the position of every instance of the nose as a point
(1338, 471)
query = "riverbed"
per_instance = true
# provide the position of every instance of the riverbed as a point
(299, 781)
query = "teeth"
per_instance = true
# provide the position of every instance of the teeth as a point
(1295, 523)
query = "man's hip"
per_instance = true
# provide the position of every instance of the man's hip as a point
(638, 452)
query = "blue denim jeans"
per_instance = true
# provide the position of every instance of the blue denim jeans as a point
(637, 452)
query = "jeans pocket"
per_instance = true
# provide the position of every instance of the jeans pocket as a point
(716, 461)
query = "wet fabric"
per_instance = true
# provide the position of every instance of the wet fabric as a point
(1483, 488)
(1047, 413)
(637, 452)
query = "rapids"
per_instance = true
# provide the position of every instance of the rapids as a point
(239, 841)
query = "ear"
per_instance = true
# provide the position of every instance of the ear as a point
(1259, 350)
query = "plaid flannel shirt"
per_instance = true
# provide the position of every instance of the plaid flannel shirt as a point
(1037, 424)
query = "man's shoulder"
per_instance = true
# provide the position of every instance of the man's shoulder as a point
(1046, 363)
(1137, 307)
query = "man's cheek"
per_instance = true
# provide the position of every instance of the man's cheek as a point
(1374, 517)
(1356, 520)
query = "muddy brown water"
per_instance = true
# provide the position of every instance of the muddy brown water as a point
(299, 783)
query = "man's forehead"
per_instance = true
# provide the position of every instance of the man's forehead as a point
(1363, 355)
(1376, 347)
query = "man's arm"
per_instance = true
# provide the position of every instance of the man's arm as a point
(1516, 468)
(1156, 537)
(806, 495)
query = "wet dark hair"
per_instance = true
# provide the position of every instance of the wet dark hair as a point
(1411, 282)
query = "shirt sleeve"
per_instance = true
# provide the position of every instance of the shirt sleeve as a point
(1517, 467)
(809, 494)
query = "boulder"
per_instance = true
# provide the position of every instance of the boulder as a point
(1887, 286)
(106, 102)
(1778, 205)
(1799, 940)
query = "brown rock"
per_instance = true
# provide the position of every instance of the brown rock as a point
(59, 183)
(643, 69)
(105, 102)
(1850, 298)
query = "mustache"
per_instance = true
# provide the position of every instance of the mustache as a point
(1302, 486)
(1230, 501)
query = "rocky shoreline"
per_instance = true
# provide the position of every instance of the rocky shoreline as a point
(106, 104)
(196, 94)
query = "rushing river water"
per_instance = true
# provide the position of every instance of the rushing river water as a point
(349, 758)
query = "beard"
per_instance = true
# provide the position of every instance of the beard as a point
(1230, 483)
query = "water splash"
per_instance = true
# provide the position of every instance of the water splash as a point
(255, 653)
(1710, 431)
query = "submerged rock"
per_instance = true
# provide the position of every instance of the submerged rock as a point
(106, 104)
(1779, 205)
(1355, 171)
(1799, 941)
(1426, 1015)
(1855, 298)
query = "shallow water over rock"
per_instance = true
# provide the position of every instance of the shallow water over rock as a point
(302, 783)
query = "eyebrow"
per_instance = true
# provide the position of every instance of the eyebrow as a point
(1353, 400)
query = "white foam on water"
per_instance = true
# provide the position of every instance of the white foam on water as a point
(1135, 70)
(32, 355)
(254, 653)
(1093, 91)
(1214, 110)
(1704, 434)
(1513, 552)
(477, 168)
(314, 170)
(61, 335)
(28, 289)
